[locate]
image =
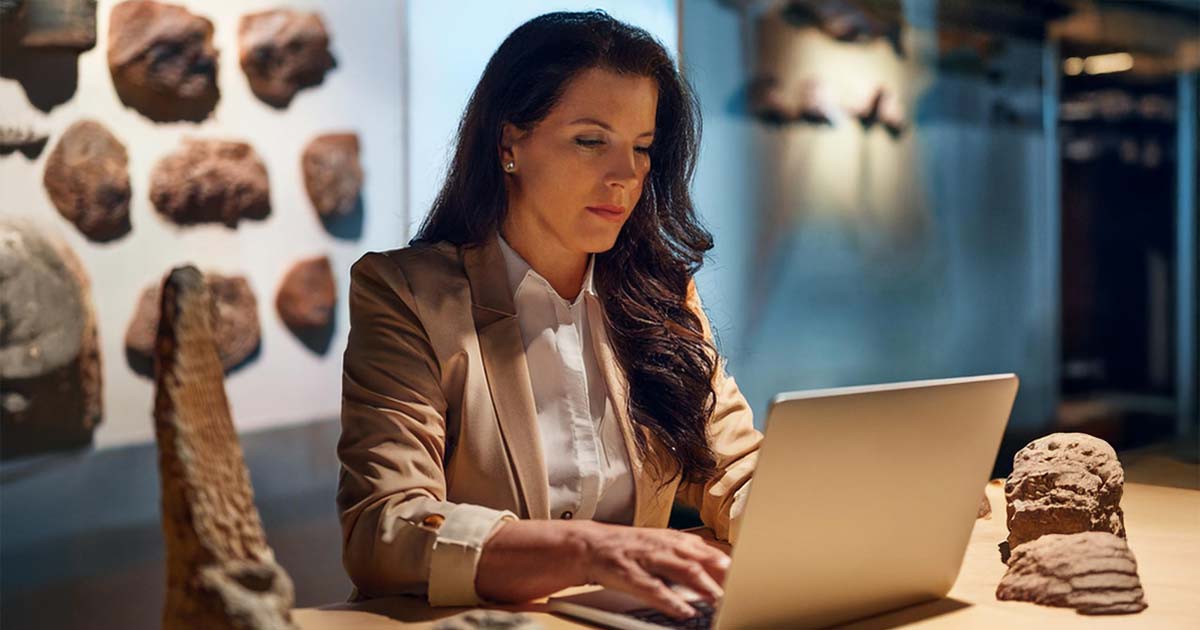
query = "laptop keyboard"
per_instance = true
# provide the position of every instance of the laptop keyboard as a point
(701, 621)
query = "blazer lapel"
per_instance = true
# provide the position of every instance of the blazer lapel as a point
(503, 353)
(618, 391)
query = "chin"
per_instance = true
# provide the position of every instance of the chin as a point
(601, 242)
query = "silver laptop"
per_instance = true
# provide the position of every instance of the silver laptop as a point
(863, 502)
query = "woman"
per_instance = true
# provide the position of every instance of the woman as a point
(531, 385)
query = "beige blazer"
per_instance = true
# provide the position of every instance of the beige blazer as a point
(439, 439)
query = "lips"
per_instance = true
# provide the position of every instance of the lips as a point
(612, 213)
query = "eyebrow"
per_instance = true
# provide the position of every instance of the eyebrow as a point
(604, 125)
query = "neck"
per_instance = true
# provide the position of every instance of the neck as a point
(561, 267)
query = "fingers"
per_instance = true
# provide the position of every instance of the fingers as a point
(653, 591)
(714, 561)
(686, 572)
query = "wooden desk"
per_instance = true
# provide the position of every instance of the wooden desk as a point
(1164, 533)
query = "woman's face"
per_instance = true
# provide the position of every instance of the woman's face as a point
(591, 152)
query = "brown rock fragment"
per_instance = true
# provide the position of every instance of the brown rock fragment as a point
(87, 178)
(50, 368)
(1064, 483)
(306, 297)
(237, 329)
(209, 181)
(333, 176)
(220, 571)
(162, 60)
(1093, 572)
(283, 51)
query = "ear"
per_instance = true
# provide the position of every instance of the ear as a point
(510, 137)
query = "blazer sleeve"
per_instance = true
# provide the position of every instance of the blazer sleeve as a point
(399, 533)
(734, 442)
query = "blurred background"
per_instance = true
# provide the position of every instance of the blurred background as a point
(898, 190)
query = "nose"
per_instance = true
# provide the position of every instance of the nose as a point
(622, 170)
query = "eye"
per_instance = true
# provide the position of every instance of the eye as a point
(645, 150)
(588, 142)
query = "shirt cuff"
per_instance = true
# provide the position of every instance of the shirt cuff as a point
(736, 510)
(456, 550)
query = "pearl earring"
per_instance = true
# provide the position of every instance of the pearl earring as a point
(510, 166)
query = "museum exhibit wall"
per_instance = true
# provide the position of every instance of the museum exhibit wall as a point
(404, 72)
(287, 378)
(850, 253)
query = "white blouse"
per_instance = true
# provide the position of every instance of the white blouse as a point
(586, 459)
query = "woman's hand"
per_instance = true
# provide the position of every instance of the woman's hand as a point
(643, 561)
(524, 560)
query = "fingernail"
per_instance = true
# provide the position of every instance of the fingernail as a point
(724, 562)
(687, 611)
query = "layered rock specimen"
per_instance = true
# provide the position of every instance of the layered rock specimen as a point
(87, 178)
(282, 51)
(50, 366)
(236, 328)
(307, 296)
(209, 181)
(162, 60)
(1064, 483)
(220, 571)
(333, 176)
(69, 24)
(1093, 572)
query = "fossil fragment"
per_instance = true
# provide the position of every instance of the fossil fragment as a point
(50, 367)
(209, 181)
(306, 297)
(333, 176)
(282, 51)
(65, 24)
(236, 327)
(162, 60)
(1064, 483)
(87, 178)
(1093, 572)
(220, 571)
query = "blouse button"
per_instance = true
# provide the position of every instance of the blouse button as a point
(566, 516)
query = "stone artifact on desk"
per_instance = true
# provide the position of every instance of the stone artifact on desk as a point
(1093, 572)
(1064, 483)
(220, 571)
(87, 179)
(333, 176)
(236, 329)
(1066, 542)
(283, 51)
(51, 395)
(162, 60)
(488, 620)
(211, 181)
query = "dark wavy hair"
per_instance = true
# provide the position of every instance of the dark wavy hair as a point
(642, 281)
